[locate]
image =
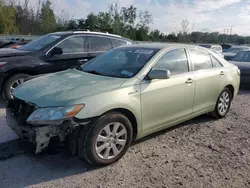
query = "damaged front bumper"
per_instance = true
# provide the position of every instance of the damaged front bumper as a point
(17, 113)
(39, 135)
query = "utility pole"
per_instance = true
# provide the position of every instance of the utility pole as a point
(231, 30)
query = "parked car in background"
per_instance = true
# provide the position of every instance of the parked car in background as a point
(51, 53)
(242, 60)
(226, 46)
(215, 47)
(13, 45)
(121, 96)
(231, 52)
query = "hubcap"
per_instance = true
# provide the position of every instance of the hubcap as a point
(111, 140)
(224, 102)
(15, 84)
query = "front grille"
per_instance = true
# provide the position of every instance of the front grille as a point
(22, 109)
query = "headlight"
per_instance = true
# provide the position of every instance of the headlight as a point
(54, 113)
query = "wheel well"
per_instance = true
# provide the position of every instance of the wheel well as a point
(13, 72)
(231, 88)
(131, 117)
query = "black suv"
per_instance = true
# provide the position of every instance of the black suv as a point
(51, 53)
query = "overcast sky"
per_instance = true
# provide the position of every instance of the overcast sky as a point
(203, 15)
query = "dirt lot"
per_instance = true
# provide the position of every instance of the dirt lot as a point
(199, 153)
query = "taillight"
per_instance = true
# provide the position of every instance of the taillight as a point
(15, 46)
(238, 71)
(2, 63)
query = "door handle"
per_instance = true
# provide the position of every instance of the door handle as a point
(83, 60)
(222, 73)
(189, 81)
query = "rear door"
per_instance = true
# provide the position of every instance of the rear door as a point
(210, 79)
(97, 45)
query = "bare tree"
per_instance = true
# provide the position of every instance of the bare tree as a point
(185, 26)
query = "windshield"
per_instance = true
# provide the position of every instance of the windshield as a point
(40, 43)
(123, 62)
(242, 56)
(235, 50)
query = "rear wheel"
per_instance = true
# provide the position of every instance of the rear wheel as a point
(11, 84)
(223, 104)
(107, 140)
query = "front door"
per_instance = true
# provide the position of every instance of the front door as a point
(74, 54)
(169, 100)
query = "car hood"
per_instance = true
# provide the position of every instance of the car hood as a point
(64, 88)
(9, 52)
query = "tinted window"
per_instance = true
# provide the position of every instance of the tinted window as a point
(117, 43)
(99, 44)
(200, 59)
(235, 49)
(124, 62)
(175, 61)
(242, 56)
(215, 62)
(72, 45)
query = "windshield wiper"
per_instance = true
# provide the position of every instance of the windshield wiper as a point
(93, 72)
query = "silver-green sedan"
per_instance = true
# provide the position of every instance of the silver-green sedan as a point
(121, 96)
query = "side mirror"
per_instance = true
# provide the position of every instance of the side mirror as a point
(56, 51)
(159, 74)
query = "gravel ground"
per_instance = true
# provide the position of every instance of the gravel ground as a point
(202, 152)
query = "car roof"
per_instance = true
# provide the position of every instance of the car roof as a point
(163, 45)
(210, 44)
(63, 33)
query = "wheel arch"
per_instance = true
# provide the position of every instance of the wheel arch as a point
(131, 118)
(13, 72)
(231, 88)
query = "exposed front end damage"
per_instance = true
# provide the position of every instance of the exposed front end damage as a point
(17, 113)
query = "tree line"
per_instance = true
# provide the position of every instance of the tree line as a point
(17, 18)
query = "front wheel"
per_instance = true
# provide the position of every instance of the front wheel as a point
(106, 140)
(11, 83)
(223, 104)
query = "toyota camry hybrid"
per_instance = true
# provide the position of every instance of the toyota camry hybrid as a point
(125, 94)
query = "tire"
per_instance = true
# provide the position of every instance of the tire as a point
(218, 112)
(88, 139)
(7, 93)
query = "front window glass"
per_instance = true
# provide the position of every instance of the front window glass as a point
(242, 56)
(123, 62)
(40, 43)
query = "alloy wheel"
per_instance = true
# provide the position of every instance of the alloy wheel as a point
(111, 140)
(224, 102)
(15, 84)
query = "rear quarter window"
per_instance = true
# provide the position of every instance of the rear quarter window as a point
(117, 42)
